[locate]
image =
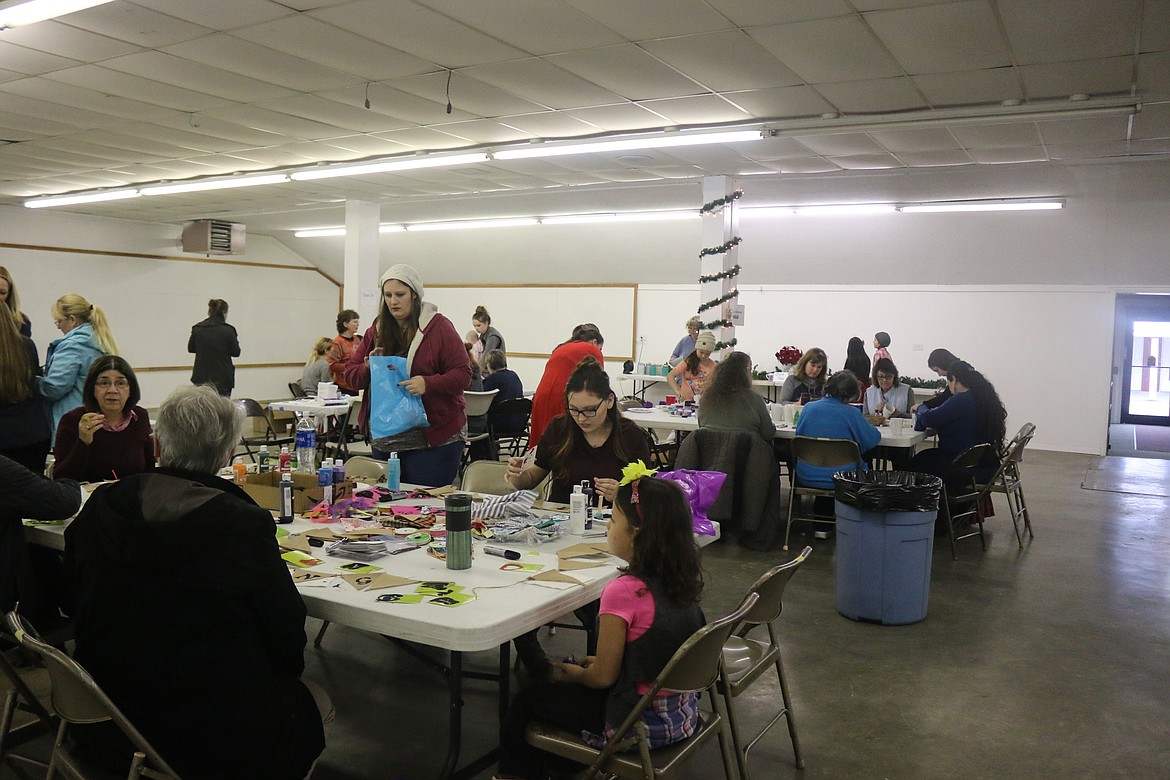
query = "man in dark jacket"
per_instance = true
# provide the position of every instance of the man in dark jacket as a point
(185, 613)
(214, 343)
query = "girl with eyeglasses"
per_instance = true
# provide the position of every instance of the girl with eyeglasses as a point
(645, 616)
(109, 437)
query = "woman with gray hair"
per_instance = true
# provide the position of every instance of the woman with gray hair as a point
(686, 345)
(217, 640)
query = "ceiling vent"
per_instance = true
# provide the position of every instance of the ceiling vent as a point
(213, 237)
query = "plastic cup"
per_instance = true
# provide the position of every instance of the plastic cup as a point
(670, 399)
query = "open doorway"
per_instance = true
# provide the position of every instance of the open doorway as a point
(1140, 417)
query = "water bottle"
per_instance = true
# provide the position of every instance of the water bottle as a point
(286, 498)
(458, 506)
(306, 444)
(284, 458)
(262, 459)
(577, 511)
(393, 472)
(325, 482)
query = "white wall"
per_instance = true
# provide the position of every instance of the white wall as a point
(279, 304)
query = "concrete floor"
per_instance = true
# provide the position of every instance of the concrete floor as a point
(1046, 662)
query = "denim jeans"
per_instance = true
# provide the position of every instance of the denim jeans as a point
(432, 467)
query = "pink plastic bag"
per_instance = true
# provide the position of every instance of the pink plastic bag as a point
(701, 489)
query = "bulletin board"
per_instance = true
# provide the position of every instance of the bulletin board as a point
(535, 319)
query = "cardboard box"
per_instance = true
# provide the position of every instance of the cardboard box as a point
(265, 491)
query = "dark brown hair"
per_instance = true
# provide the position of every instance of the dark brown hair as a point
(663, 542)
(109, 363)
(588, 377)
(394, 339)
(217, 307)
(481, 315)
(344, 316)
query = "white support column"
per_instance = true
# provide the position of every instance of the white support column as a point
(361, 258)
(718, 229)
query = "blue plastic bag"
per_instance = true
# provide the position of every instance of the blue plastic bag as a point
(392, 409)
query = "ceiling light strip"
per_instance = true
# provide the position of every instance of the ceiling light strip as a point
(35, 11)
(70, 200)
(388, 166)
(664, 141)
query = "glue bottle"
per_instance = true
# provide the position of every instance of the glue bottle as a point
(393, 472)
(338, 471)
(286, 498)
(325, 482)
(239, 469)
(284, 458)
(578, 508)
(262, 460)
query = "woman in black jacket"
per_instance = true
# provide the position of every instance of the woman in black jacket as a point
(214, 344)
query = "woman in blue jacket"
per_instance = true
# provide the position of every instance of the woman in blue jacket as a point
(833, 417)
(86, 335)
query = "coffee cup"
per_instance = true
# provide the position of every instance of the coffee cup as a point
(897, 425)
(670, 399)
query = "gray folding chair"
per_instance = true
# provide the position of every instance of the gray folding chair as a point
(962, 504)
(77, 700)
(693, 668)
(21, 704)
(746, 659)
(841, 454)
(1010, 482)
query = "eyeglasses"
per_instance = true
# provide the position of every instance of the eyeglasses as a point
(588, 412)
(105, 384)
(885, 376)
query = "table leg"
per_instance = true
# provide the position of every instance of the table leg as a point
(455, 710)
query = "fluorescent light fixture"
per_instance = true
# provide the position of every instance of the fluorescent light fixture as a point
(847, 209)
(388, 165)
(481, 223)
(69, 200)
(39, 10)
(214, 184)
(987, 205)
(622, 144)
(319, 232)
(635, 216)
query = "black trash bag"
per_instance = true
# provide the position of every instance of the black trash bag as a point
(888, 491)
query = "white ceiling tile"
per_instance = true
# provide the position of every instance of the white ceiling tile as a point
(935, 158)
(55, 37)
(1070, 30)
(399, 107)
(757, 13)
(189, 139)
(1153, 121)
(409, 27)
(544, 83)
(423, 138)
(924, 139)
(1017, 135)
(619, 117)
(1091, 77)
(195, 76)
(627, 71)
(1155, 26)
(697, 110)
(534, 26)
(866, 162)
(60, 159)
(942, 38)
(779, 149)
(840, 144)
(341, 116)
(208, 125)
(550, 124)
(30, 61)
(646, 19)
(75, 117)
(828, 50)
(873, 97)
(112, 82)
(1073, 131)
(122, 145)
(136, 25)
(224, 50)
(1087, 151)
(53, 91)
(338, 49)
(350, 147)
(18, 126)
(970, 87)
(1151, 146)
(1153, 81)
(723, 61)
(781, 103)
(807, 165)
(291, 127)
(1009, 155)
(483, 131)
(220, 14)
(467, 94)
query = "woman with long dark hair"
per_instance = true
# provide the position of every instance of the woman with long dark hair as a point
(24, 428)
(214, 343)
(730, 404)
(436, 362)
(940, 361)
(856, 360)
(10, 300)
(973, 414)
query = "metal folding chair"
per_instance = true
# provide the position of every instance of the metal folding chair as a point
(842, 454)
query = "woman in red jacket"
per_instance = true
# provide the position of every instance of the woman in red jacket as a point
(436, 361)
(549, 400)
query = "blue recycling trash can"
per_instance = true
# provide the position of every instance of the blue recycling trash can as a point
(885, 541)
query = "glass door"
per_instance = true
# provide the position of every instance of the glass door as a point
(1145, 398)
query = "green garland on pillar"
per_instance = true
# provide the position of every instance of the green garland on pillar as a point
(721, 250)
(730, 273)
(718, 204)
(721, 299)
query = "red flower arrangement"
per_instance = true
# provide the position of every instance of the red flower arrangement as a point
(788, 355)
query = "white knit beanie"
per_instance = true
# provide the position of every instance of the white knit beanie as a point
(407, 275)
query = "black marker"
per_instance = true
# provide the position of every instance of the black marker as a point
(511, 555)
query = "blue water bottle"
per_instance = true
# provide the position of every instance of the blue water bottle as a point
(325, 482)
(338, 471)
(393, 472)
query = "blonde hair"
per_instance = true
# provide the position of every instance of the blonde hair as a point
(319, 349)
(16, 374)
(77, 307)
(13, 302)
